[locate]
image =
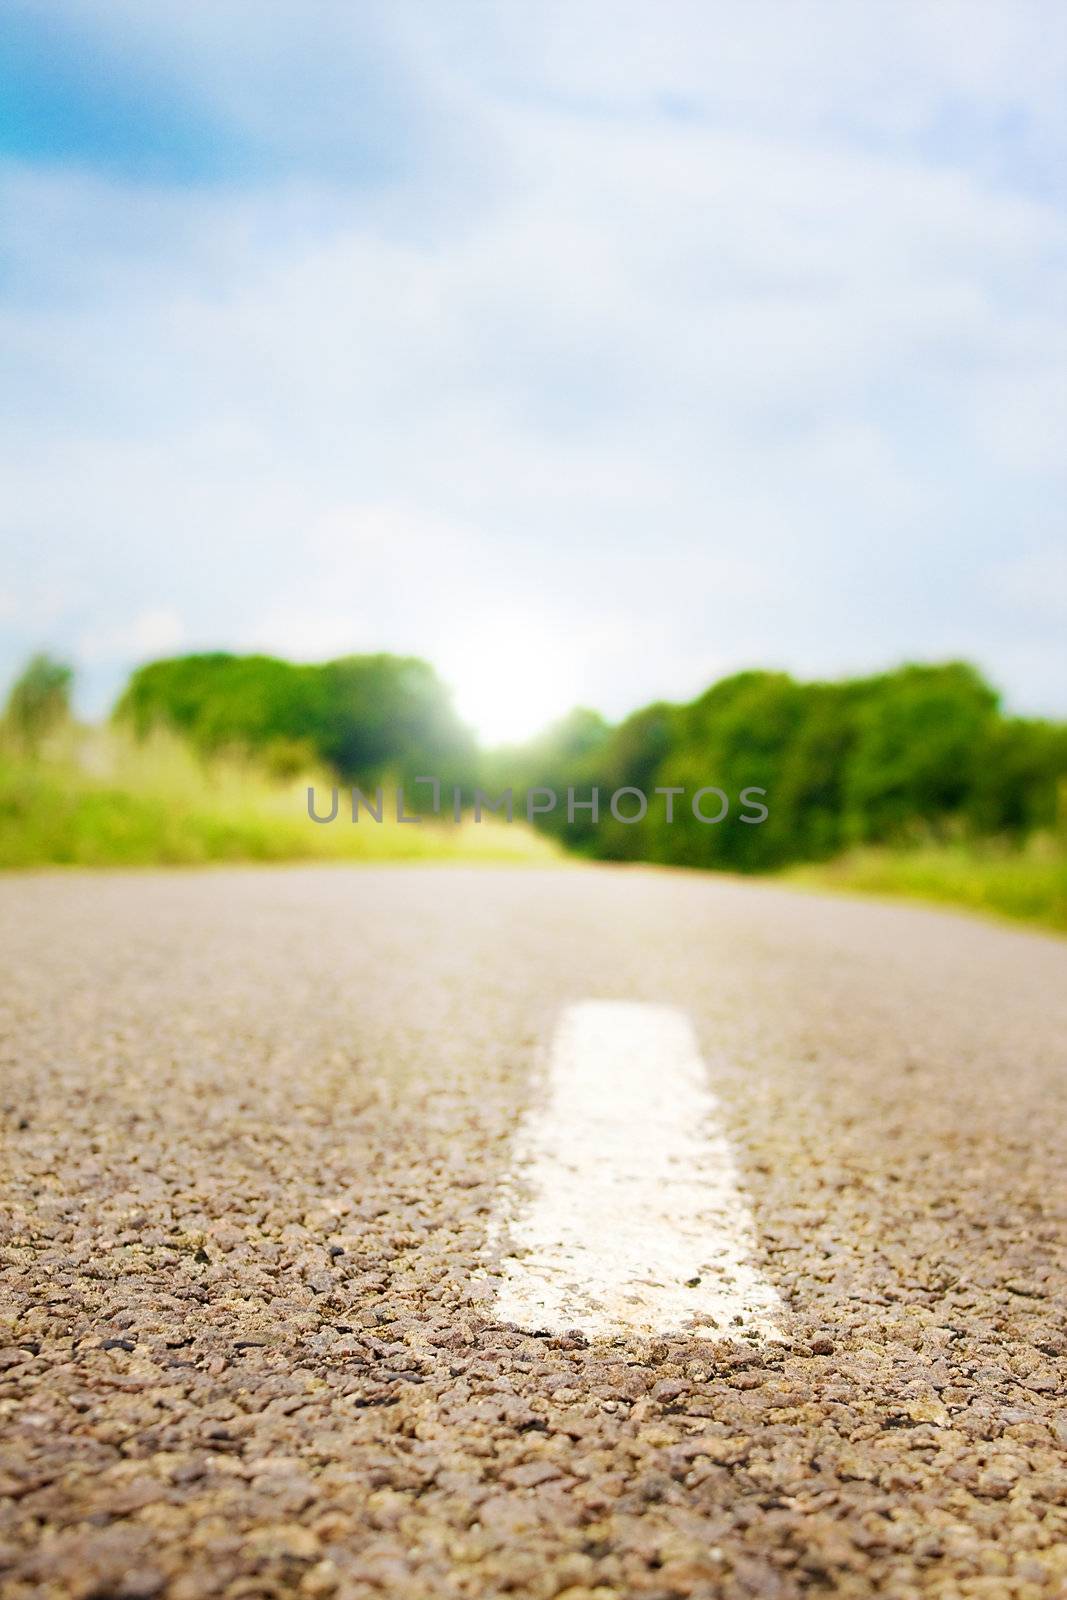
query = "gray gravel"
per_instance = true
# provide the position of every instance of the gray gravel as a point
(254, 1121)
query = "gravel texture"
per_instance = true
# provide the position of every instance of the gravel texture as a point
(254, 1122)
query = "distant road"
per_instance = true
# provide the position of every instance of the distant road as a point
(592, 1233)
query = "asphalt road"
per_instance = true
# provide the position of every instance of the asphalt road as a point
(256, 1124)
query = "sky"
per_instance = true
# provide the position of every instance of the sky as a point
(590, 349)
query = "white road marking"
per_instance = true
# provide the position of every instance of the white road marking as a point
(623, 1213)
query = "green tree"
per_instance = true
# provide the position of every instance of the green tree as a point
(568, 754)
(1018, 782)
(39, 700)
(365, 716)
(737, 735)
(919, 741)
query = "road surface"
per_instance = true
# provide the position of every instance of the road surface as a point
(295, 1160)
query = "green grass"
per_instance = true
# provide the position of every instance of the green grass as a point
(1027, 885)
(99, 800)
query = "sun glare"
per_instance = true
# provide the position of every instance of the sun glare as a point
(508, 683)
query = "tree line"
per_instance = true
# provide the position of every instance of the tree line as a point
(918, 753)
(923, 752)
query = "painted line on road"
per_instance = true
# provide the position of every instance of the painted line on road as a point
(623, 1213)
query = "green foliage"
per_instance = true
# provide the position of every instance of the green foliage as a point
(109, 801)
(1028, 885)
(560, 758)
(739, 734)
(916, 765)
(378, 714)
(907, 757)
(39, 700)
(1018, 785)
(364, 716)
(921, 735)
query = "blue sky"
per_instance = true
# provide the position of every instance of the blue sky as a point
(592, 350)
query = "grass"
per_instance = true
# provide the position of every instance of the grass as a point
(95, 798)
(1028, 885)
